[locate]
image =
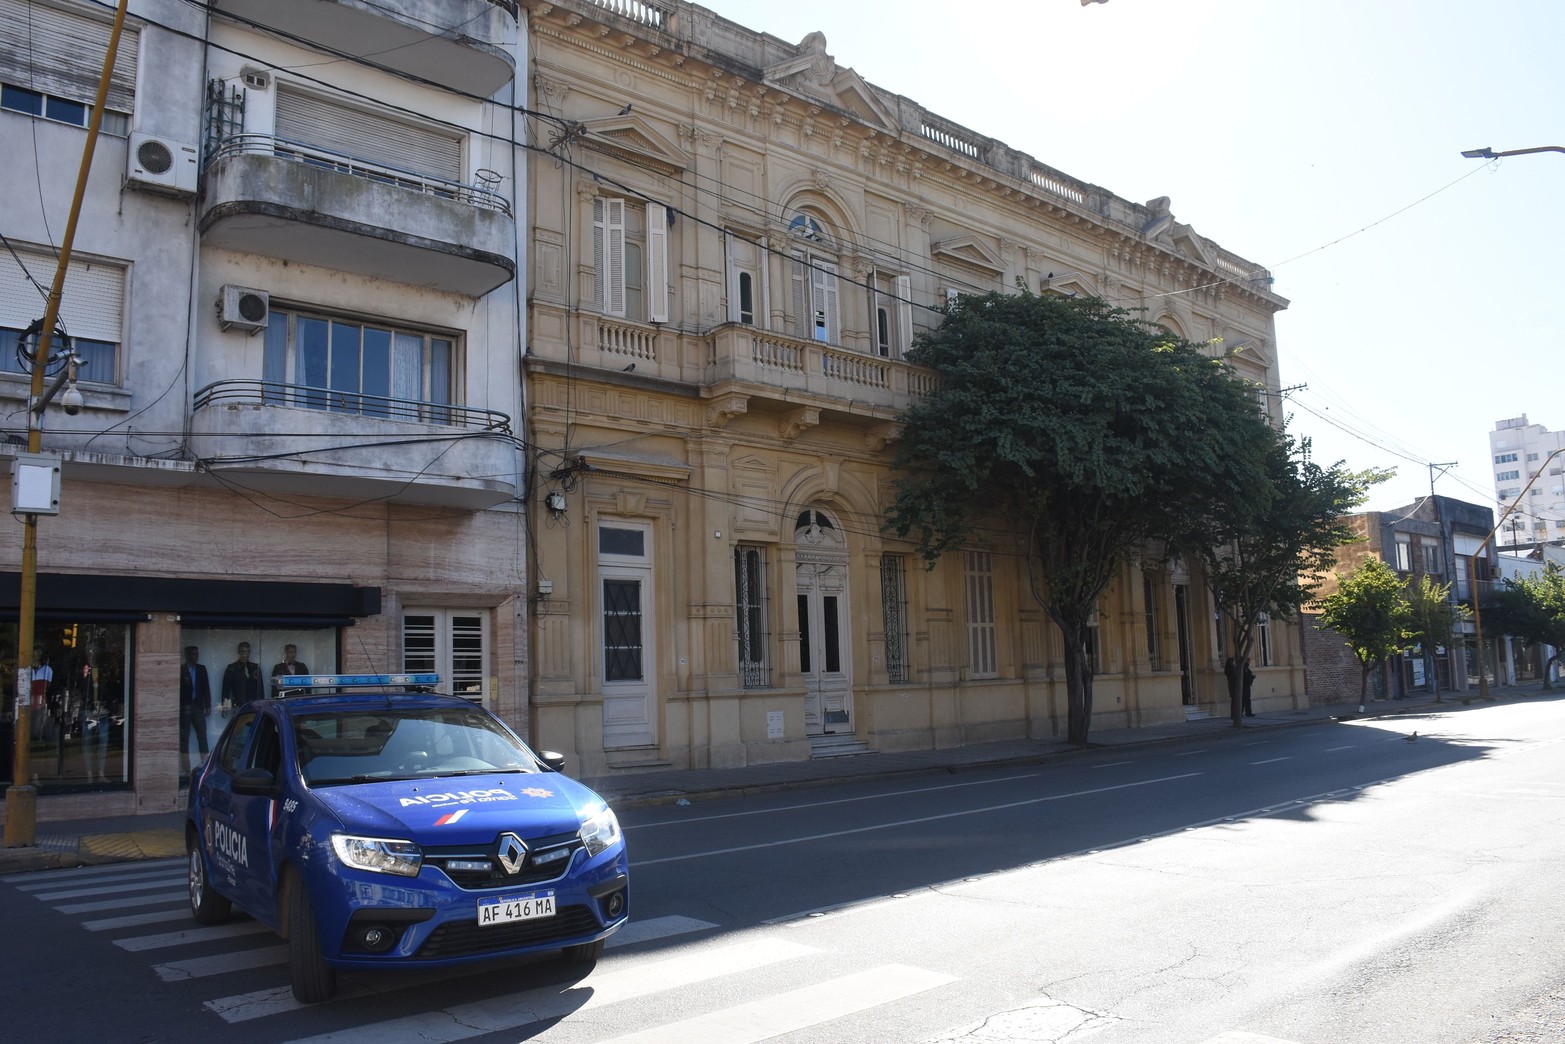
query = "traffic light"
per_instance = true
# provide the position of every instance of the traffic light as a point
(68, 636)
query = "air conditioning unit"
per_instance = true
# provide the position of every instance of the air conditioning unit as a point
(243, 308)
(162, 165)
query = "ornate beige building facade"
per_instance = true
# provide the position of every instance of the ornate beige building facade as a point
(734, 243)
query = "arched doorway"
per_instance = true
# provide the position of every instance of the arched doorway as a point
(821, 583)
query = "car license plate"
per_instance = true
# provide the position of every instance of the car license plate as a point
(509, 908)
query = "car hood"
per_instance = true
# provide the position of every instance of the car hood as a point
(464, 809)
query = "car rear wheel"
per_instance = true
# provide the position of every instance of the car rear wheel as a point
(584, 953)
(313, 979)
(206, 906)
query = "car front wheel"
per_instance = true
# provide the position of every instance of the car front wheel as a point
(206, 906)
(313, 979)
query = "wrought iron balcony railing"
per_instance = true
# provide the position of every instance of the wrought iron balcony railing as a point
(282, 148)
(363, 404)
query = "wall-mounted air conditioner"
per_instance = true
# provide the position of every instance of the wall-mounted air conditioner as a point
(240, 307)
(159, 164)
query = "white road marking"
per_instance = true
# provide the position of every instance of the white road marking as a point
(138, 943)
(1269, 761)
(173, 895)
(111, 888)
(656, 928)
(219, 964)
(835, 801)
(137, 920)
(513, 1011)
(911, 822)
(796, 1009)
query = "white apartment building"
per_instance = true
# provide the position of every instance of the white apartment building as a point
(1526, 453)
(294, 299)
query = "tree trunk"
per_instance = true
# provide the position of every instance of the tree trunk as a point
(1364, 683)
(1078, 686)
(1548, 671)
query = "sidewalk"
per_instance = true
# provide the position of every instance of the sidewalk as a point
(85, 842)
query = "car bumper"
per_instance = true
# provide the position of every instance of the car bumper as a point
(370, 920)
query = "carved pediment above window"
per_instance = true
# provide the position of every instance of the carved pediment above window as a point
(815, 74)
(633, 138)
(970, 251)
(1190, 244)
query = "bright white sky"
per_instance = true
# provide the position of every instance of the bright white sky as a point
(1320, 138)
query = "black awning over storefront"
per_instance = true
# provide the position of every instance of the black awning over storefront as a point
(215, 602)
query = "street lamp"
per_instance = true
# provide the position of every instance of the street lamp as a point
(1487, 153)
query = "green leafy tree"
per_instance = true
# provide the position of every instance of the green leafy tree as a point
(1532, 608)
(1432, 619)
(1076, 433)
(1370, 611)
(1266, 557)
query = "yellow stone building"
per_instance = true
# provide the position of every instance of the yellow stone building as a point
(734, 243)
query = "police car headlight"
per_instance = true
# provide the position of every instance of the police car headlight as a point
(378, 854)
(600, 833)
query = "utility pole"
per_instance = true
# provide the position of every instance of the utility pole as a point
(21, 797)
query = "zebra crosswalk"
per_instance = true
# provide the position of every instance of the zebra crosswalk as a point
(738, 987)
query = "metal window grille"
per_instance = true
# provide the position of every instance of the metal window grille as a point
(893, 609)
(750, 616)
(1149, 595)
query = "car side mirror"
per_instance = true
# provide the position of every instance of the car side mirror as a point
(552, 761)
(254, 781)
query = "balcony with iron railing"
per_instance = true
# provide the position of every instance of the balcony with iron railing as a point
(270, 196)
(462, 45)
(288, 438)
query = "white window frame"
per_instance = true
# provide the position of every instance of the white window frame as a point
(983, 659)
(623, 263)
(454, 643)
(92, 309)
(283, 363)
(58, 53)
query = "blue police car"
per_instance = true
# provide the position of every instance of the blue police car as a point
(375, 823)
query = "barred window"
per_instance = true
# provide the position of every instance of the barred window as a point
(750, 616)
(893, 610)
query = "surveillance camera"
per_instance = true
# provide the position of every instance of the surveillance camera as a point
(71, 401)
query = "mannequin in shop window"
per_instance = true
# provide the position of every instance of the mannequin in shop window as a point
(291, 664)
(195, 701)
(241, 681)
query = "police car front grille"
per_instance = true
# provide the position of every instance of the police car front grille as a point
(466, 938)
(548, 858)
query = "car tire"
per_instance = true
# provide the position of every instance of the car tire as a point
(583, 953)
(313, 979)
(206, 905)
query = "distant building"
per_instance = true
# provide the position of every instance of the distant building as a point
(1523, 453)
(1437, 537)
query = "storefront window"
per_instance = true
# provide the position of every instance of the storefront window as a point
(222, 668)
(80, 723)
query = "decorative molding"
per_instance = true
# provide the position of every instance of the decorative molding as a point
(794, 422)
(880, 435)
(725, 408)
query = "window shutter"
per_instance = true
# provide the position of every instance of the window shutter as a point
(731, 264)
(904, 313)
(91, 304)
(599, 251)
(61, 53)
(614, 256)
(825, 297)
(801, 298)
(317, 122)
(657, 263)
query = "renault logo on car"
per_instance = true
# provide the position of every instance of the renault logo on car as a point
(513, 853)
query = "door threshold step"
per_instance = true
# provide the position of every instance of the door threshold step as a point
(835, 747)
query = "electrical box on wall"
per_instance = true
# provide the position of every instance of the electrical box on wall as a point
(35, 484)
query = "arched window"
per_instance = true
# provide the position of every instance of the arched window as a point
(814, 278)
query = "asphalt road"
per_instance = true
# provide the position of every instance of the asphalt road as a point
(1323, 885)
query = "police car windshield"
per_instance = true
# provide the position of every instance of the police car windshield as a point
(345, 746)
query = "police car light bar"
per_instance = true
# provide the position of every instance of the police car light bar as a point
(353, 681)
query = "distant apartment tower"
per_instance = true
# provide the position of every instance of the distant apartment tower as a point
(1520, 451)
